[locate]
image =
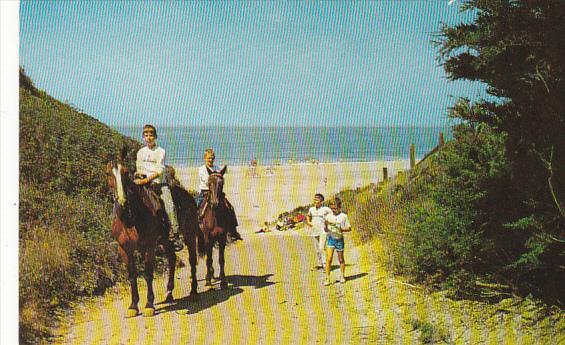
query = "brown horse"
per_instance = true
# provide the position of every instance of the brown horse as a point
(215, 224)
(138, 226)
(187, 216)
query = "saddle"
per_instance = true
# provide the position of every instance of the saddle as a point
(226, 209)
(151, 200)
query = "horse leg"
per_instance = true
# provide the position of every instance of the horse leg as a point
(209, 268)
(172, 261)
(193, 259)
(222, 261)
(129, 260)
(149, 261)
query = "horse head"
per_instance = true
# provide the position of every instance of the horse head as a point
(118, 178)
(216, 185)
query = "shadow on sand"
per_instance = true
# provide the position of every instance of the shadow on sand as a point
(214, 295)
(356, 276)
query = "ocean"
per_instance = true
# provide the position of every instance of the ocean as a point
(282, 145)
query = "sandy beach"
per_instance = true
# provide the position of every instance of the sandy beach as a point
(260, 194)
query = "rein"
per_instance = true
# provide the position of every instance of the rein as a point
(219, 193)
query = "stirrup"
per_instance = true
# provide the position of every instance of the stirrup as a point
(177, 244)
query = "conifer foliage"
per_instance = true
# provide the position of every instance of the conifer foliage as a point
(517, 49)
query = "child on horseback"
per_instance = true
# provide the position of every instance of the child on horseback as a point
(203, 173)
(150, 166)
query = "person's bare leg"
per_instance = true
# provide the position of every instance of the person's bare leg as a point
(329, 257)
(341, 266)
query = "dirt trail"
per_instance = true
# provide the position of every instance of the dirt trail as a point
(274, 297)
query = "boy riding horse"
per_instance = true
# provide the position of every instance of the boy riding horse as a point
(203, 173)
(150, 165)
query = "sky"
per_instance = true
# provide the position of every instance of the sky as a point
(244, 63)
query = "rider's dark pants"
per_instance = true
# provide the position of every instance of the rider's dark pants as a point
(200, 197)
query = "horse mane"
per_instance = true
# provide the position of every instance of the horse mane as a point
(138, 202)
(141, 200)
(186, 208)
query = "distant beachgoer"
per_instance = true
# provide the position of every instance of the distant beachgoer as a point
(150, 165)
(315, 219)
(265, 228)
(335, 225)
(203, 174)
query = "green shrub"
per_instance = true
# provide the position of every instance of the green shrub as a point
(64, 254)
(447, 224)
(65, 208)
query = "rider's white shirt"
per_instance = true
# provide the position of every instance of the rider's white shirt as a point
(203, 176)
(150, 161)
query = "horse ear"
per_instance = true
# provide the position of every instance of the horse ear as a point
(210, 172)
(109, 158)
(224, 170)
(170, 171)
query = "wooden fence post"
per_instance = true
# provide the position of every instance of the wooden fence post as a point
(385, 173)
(441, 140)
(412, 156)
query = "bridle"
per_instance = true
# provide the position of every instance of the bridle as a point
(215, 188)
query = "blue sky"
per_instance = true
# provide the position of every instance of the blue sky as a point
(243, 63)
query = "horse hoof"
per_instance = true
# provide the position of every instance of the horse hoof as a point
(148, 312)
(223, 285)
(193, 297)
(208, 282)
(170, 298)
(132, 312)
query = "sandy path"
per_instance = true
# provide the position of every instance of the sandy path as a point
(274, 296)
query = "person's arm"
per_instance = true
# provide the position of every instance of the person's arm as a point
(138, 165)
(345, 225)
(203, 177)
(327, 221)
(308, 219)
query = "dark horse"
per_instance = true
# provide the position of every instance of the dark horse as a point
(187, 216)
(215, 224)
(137, 225)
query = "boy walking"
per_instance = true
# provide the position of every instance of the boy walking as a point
(336, 224)
(150, 165)
(315, 219)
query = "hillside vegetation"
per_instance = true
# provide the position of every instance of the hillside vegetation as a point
(65, 208)
(439, 224)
